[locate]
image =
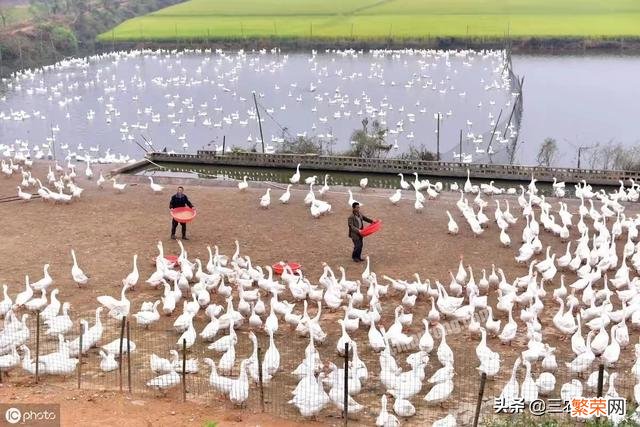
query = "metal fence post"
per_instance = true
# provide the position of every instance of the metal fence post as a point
(483, 380)
(260, 379)
(128, 358)
(600, 379)
(37, 345)
(184, 370)
(121, 358)
(80, 356)
(346, 383)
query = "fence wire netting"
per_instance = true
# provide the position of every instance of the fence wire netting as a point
(420, 382)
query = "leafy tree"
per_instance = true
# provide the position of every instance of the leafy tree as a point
(547, 153)
(63, 38)
(369, 144)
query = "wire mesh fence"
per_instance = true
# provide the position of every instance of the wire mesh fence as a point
(420, 382)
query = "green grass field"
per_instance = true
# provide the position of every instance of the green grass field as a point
(16, 14)
(370, 19)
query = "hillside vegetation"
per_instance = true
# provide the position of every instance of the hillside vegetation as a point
(376, 19)
(38, 32)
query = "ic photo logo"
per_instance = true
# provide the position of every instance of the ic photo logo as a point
(13, 415)
(32, 415)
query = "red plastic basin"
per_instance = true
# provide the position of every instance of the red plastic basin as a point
(173, 259)
(278, 267)
(183, 215)
(371, 228)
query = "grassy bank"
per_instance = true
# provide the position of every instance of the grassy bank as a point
(375, 19)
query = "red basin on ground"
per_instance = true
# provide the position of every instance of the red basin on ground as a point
(278, 267)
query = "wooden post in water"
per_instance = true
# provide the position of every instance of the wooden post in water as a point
(493, 133)
(460, 153)
(255, 101)
(515, 103)
(438, 136)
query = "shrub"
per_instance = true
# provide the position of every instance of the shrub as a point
(369, 144)
(63, 38)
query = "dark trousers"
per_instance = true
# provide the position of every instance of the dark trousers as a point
(357, 248)
(174, 225)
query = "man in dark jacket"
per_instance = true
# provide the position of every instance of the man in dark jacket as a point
(179, 200)
(356, 224)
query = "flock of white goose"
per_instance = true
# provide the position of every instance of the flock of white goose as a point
(599, 303)
(187, 96)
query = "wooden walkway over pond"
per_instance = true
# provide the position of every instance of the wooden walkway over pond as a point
(394, 166)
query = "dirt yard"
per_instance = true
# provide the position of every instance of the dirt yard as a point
(106, 229)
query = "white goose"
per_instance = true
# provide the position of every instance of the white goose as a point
(132, 278)
(76, 272)
(59, 324)
(37, 304)
(6, 303)
(284, 199)
(117, 308)
(265, 200)
(53, 308)
(386, 419)
(146, 318)
(108, 361)
(295, 178)
(118, 187)
(165, 381)
(156, 188)
(243, 185)
(395, 197)
(25, 295)
(45, 282)
(325, 187)
(452, 227)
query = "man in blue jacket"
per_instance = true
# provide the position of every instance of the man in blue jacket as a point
(179, 200)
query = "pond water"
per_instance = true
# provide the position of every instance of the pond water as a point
(183, 102)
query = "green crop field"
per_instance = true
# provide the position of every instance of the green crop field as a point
(368, 19)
